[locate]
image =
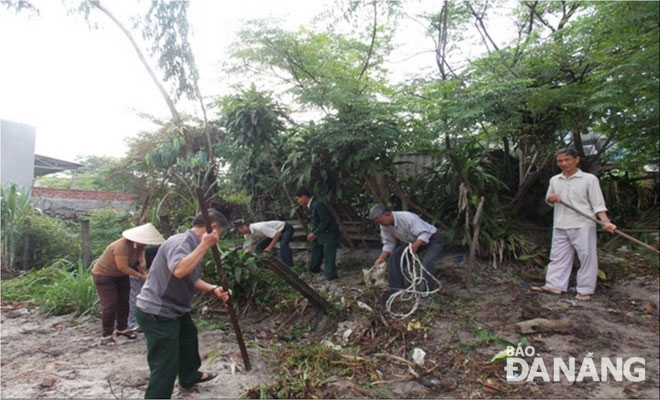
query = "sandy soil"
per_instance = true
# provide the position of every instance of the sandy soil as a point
(60, 356)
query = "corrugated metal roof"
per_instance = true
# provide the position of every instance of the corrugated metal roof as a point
(47, 165)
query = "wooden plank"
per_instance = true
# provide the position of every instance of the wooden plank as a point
(284, 272)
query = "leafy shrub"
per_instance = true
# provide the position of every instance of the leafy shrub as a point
(15, 207)
(52, 239)
(106, 226)
(240, 266)
(59, 288)
(71, 291)
(31, 285)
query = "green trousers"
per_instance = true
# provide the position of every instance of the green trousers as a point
(171, 350)
(325, 251)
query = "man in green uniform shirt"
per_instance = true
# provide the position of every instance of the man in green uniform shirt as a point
(324, 233)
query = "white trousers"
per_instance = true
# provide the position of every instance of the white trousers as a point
(565, 242)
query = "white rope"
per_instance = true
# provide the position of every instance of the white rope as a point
(412, 270)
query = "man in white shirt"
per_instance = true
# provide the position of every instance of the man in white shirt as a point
(268, 233)
(406, 228)
(573, 232)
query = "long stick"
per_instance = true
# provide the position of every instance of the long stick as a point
(223, 280)
(601, 223)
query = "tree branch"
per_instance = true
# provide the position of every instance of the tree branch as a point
(480, 20)
(373, 41)
(170, 104)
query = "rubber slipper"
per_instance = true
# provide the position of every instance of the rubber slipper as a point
(108, 342)
(128, 333)
(206, 376)
(545, 289)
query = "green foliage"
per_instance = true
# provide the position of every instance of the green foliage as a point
(59, 288)
(327, 70)
(96, 173)
(106, 226)
(165, 26)
(15, 207)
(71, 291)
(240, 267)
(52, 239)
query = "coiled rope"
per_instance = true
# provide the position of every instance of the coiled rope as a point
(412, 270)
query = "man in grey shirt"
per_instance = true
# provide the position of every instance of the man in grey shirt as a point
(165, 302)
(408, 229)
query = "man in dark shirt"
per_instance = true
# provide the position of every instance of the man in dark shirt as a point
(165, 302)
(324, 234)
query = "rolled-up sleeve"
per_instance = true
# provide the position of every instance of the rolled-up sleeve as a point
(421, 232)
(596, 199)
(388, 239)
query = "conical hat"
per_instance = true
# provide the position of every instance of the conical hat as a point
(144, 234)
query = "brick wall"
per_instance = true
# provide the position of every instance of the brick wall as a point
(82, 194)
(66, 203)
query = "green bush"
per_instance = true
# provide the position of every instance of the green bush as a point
(105, 227)
(15, 207)
(59, 288)
(52, 239)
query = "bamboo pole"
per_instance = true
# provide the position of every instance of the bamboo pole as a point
(601, 223)
(223, 281)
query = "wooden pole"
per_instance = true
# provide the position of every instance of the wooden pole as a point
(26, 244)
(86, 254)
(601, 223)
(223, 281)
(292, 279)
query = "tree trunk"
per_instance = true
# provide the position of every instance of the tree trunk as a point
(278, 176)
(341, 226)
(170, 104)
(472, 259)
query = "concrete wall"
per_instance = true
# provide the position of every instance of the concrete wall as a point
(17, 153)
(73, 203)
(414, 164)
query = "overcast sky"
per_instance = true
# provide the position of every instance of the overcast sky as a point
(82, 88)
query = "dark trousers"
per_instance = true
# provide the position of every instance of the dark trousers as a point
(429, 255)
(113, 293)
(171, 350)
(328, 251)
(285, 250)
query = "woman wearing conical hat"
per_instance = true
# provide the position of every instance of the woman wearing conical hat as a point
(111, 275)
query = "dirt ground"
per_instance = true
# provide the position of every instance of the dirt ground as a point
(460, 330)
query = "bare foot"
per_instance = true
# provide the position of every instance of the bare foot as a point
(583, 297)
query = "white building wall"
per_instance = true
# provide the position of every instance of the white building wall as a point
(17, 142)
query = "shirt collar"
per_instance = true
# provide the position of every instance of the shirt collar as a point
(578, 174)
(310, 202)
(395, 219)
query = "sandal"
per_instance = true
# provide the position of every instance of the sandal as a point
(128, 333)
(206, 376)
(546, 289)
(583, 297)
(108, 342)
